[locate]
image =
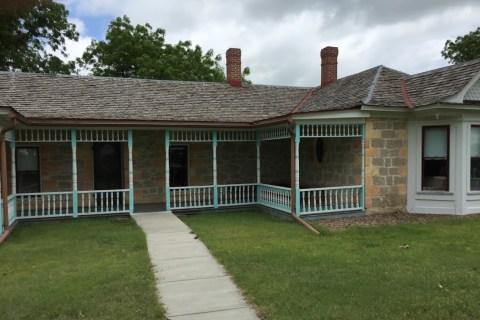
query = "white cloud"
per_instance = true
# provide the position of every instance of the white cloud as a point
(281, 39)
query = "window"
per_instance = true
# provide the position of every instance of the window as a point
(435, 160)
(178, 166)
(475, 158)
(28, 173)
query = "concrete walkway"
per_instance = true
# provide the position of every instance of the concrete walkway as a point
(191, 283)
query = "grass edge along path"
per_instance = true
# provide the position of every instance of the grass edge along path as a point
(77, 269)
(419, 271)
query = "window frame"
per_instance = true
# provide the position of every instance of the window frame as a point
(17, 171)
(447, 167)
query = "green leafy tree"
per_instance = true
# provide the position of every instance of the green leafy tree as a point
(141, 52)
(464, 48)
(30, 32)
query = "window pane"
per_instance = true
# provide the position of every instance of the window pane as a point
(475, 142)
(435, 158)
(436, 141)
(28, 174)
(475, 159)
(27, 159)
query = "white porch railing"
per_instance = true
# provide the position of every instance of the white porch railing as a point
(60, 204)
(191, 197)
(275, 197)
(102, 202)
(237, 194)
(48, 204)
(334, 199)
(11, 209)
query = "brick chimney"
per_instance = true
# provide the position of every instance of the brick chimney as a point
(234, 67)
(329, 65)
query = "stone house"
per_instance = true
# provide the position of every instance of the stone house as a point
(379, 140)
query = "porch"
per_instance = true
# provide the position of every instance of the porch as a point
(333, 184)
(309, 168)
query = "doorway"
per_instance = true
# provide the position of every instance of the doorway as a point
(107, 165)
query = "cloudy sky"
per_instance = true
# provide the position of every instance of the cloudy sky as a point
(281, 39)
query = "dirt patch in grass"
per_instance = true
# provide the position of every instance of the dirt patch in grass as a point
(387, 219)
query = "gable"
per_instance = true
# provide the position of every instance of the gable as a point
(473, 94)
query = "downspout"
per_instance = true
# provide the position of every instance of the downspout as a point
(292, 181)
(3, 178)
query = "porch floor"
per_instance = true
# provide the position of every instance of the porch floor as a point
(191, 283)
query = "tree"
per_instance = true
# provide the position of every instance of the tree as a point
(141, 52)
(30, 32)
(464, 48)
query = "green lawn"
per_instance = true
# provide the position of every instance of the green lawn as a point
(85, 269)
(360, 273)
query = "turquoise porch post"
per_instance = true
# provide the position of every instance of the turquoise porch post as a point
(14, 169)
(167, 170)
(297, 168)
(215, 185)
(130, 172)
(259, 179)
(74, 174)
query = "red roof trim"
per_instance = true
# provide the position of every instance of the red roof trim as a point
(308, 95)
(406, 98)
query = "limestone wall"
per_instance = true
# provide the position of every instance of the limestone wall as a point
(236, 162)
(385, 165)
(341, 164)
(148, 166)
(55, 167)
(275, 162)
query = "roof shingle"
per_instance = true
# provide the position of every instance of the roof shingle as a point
(55, 97)
(40, 96)
(436, 85)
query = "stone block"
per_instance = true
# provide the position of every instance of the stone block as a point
(400, 125)
(394, 144)
(389, 180)
(377, 143)
(384, 153)
(379, 162)
(397, 162)
(383, 171)
(388, 162)
(388, 134)
(378, 181)
(400, 180)
(372, 153)
(393, 153)
(393, 171)
(378, 124)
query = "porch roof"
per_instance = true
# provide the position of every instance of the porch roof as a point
(60, 97)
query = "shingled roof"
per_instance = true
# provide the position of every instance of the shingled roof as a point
(381, 86)
(56, 97)
(375, 86)
(436, 85)
(40, 96)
